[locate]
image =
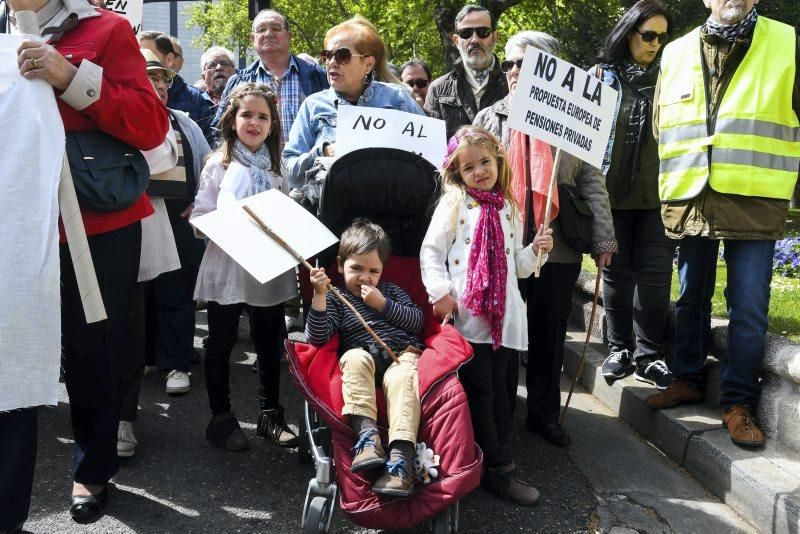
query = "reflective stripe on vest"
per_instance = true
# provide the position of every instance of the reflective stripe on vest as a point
(755, 144)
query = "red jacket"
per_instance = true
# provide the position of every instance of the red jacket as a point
(128, 107)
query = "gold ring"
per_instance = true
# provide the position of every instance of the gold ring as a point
(35, 62)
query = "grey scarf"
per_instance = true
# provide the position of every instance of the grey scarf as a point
(258, 164)
(731, 32)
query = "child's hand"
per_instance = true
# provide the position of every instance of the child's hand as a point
(373, 297)
(445, 307)
(320, 281)
(543, 240)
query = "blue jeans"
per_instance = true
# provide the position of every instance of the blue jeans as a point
(749, 264)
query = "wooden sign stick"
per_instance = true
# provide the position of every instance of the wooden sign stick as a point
(279, 240)
(553, 181)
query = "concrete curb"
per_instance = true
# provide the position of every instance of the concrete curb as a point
(763, 486)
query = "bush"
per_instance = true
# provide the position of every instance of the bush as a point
(786, 260)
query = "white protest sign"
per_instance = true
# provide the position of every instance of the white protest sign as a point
(564, 106)
(130, 9)
(232, 229)
(362, 127)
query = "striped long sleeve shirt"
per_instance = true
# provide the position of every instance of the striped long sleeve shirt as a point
(400, 324)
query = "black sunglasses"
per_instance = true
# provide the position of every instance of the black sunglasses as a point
(422, 83)
(341, 55)
(508, 64)
(483, 32)
(649, 36)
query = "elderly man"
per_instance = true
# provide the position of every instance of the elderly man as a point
(292, 78)
(417, 74)
(182, 96)
(729, 149)
(177, 63)
(218, 65)
(476, 81)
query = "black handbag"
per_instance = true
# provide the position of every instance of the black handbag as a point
(575, 219)
(109, 174)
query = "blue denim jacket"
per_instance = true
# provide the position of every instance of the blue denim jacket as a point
(609, 77)
(315, 123)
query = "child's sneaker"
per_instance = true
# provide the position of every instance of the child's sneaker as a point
(369, 453)
(395, 482)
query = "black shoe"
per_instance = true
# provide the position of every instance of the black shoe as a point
(656, 373)
(224, 431)
(88, 508)
(271, 425)
(619, 364)
(551, 432)
(13, 530)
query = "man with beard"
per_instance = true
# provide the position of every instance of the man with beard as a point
(729, 140)
(218, 65)
(476, 81)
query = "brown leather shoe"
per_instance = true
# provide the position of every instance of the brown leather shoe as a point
(678, 392)
(395, 481)
(369, 453)
(742, 427)
(503, 482)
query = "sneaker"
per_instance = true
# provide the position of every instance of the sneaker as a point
(369, 452)
(271, 425)
(178, 383)
(224, 431)
(656, 373)
(150, 369)
(619, 364)
(678, 392)
(126, 441)
(396, 481)
(294, 323)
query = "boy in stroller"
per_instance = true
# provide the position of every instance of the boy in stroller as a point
(363, 250)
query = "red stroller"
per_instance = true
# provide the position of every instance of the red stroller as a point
(399, 187)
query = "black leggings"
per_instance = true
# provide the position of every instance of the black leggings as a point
(268, 327)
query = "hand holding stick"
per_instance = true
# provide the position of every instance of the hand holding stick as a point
(550, 189)
(275, 237)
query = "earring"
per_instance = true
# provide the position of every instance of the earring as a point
(367, 78)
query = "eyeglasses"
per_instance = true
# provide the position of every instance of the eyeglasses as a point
(224, 63)
(483, 32)
(649, 36)
(508, 64)
(156, 79)
(276, 28)
(422, 83)
(341, 55)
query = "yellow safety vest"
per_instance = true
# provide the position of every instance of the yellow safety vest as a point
(753, 147)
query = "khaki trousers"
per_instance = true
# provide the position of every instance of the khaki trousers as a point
(400, 388)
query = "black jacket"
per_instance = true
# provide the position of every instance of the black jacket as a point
(451, 98)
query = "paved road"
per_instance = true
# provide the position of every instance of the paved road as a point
(179, 483)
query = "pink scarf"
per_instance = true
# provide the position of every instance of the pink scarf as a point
(487, 270)
(541, 162)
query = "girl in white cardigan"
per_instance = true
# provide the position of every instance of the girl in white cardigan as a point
(247, 163)
(471, 258)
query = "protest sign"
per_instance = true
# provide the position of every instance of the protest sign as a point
(363, 127)
(564, 106)
(130, 9)
(232, 230)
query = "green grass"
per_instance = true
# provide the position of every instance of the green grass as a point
(784, 313)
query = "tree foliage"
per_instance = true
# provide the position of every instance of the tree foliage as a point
(422, 28)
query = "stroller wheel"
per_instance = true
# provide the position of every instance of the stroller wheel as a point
(316, 519)
(303, 450)
(447, 521)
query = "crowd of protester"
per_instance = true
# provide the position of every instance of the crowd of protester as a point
(268, 125)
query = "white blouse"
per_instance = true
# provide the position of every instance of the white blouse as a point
(220, 278)
(444, 257)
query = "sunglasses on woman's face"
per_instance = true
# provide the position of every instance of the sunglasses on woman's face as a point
(508, 64)
(341, 55)
(422, 83)
(649, 36)
(483, 32)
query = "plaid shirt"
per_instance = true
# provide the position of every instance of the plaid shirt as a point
(290, 94)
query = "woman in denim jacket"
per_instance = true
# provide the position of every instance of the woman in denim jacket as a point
(636, 285)
(358, 73)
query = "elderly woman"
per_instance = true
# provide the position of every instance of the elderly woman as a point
(358, 73)
(636, 285)
(549, 297)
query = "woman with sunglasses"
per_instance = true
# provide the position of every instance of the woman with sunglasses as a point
(636, 287)
(549, 297)
(358, 73)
